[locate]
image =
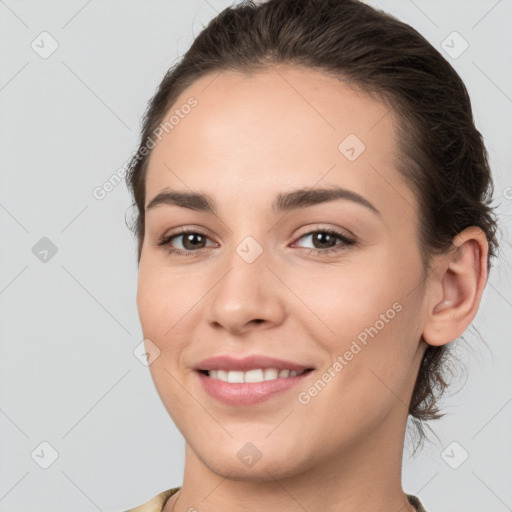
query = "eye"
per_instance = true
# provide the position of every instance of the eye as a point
(325, 241)
(192, 242)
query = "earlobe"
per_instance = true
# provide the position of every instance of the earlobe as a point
(455, 288)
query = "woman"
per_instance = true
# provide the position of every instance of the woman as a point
(313, 230)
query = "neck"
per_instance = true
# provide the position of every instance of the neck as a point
(364, 477)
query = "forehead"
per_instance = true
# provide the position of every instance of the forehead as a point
(279, 128)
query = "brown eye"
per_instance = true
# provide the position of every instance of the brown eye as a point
(325, 240)
(191, 242)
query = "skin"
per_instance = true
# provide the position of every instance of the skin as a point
(250, 138)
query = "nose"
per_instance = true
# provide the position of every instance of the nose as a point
(248, 294)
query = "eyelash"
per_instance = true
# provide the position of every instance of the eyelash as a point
(165, 242)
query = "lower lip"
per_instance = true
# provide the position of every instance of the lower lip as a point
(248, 393)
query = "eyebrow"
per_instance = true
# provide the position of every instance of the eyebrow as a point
(300, 198)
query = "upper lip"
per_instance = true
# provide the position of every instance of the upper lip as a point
(225, 362)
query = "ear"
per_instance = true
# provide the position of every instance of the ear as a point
(456, 284)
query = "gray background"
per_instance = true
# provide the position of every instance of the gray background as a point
(68, 375)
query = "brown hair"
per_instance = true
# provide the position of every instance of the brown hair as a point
(443, 157)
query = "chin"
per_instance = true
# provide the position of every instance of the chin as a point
(252, 462)
(262, 471)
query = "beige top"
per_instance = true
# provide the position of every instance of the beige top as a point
(157, 503)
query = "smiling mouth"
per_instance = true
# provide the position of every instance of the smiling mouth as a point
(253, 376)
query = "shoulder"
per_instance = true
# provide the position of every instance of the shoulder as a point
(155, 504)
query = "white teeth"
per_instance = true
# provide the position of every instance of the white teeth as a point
(253, 376)
(235, 376)
(256, 375)
(222, 375)
(270, 374)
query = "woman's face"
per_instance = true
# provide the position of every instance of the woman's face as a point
(262, 277)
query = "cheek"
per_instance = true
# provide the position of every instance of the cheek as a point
(366, 318)
(163, 298)
(165, 312)
(151, 303)
(345, 300)
(169, 303)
